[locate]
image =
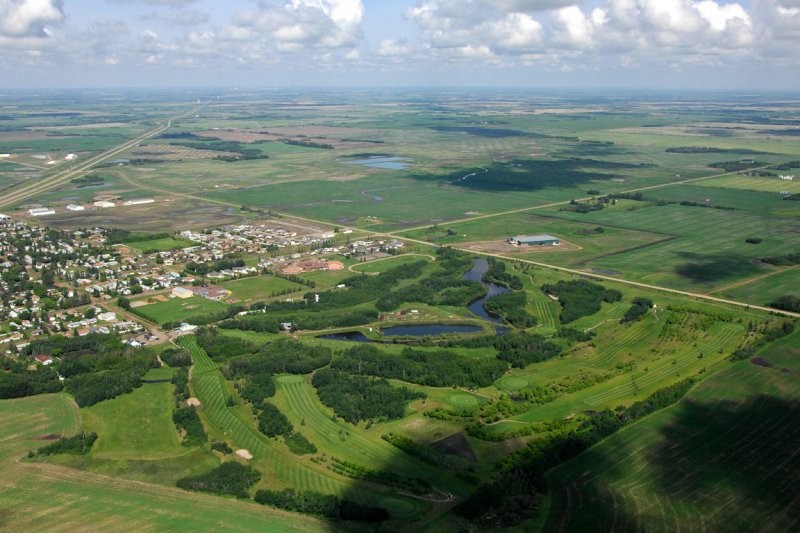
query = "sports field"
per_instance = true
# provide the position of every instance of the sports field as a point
(177, 309)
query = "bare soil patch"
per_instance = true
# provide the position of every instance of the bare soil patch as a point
(504, 247)
(244, 454)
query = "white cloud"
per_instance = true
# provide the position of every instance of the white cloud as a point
(29, 18)
(315, 23)
(393, 48)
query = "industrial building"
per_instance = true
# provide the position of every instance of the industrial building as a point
(41, 211)
(534, 240)
(75, 207)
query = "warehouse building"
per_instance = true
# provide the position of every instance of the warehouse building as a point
(534, 240)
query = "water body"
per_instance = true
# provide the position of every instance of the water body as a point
(422, 330)
(384, 162)
(352, 336)
(479, 268)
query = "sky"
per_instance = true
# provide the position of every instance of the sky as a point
(648, 44)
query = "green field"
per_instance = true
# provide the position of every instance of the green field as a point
(159, 245)
(730, 444)
(177, 309)
(381, 265)
(249, 290)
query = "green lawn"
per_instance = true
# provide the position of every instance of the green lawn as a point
(160, 245)
(136, 425)
(249, 290)
(177, 309)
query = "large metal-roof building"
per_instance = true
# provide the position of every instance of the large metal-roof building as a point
(534, 240)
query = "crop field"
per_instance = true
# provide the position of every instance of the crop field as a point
(248, 290)
(722, 458)
(592, 240)
(710, 251)
(177, 309)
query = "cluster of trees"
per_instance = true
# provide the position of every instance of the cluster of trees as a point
(298, 444)
(79, 444)
(497, 274)
(316, 503)
(575, 334)
(357, 398)
(522, 349)
(783, 260)
(222, 347)
(510, 307)
(308, 144)
(434, 369)
(97, 367)
(176, 357)
(229, 478)
(119, 235)
(696, 150)
(94, 387)
(787, 302)
(580, 298)
(769, 335)
(283, 356)
(736, 166)
(88, 181)
(518, 489)
(271, 422)
(444, 287)
(17, 381)
(189, 426)
(226, 263)
(639, 307)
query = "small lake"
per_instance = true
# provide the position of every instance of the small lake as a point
(422, 330)
(384, 162)
(479, 268)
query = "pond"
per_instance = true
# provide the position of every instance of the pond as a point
(383, 161)
(479, 268)
(352, 336)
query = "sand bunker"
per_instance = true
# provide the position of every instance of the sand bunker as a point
(194, 402)
(244, 454)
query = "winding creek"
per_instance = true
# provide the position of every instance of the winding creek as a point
(479, 267)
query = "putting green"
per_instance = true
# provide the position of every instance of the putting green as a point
(400, 507)
(463, 399)
(512, 383)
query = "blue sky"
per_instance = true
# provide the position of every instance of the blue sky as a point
(694, 44)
